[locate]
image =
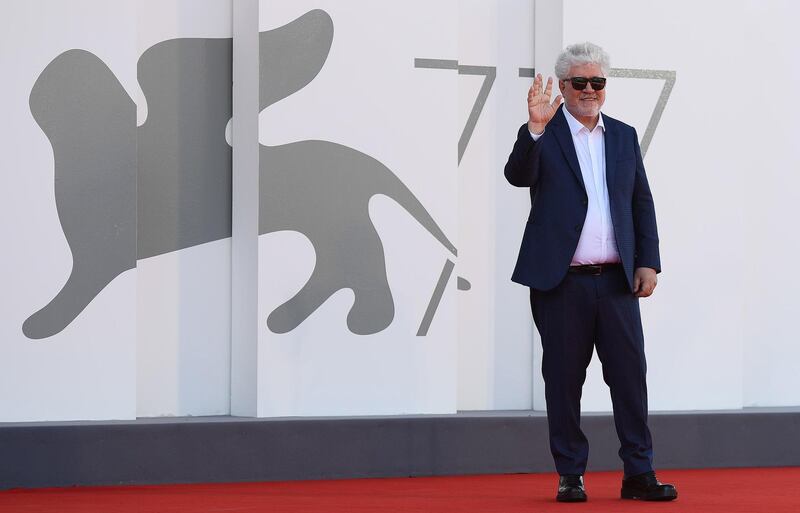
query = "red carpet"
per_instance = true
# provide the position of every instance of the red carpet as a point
(773, 490)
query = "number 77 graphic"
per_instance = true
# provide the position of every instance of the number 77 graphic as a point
(490, 73)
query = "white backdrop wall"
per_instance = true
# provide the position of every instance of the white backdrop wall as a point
(386, 125)
(494, 321)
(183, 299)
(391, 99)
(86, 370)
(767, 40)
(719, 330)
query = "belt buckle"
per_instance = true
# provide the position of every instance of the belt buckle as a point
(595, 270)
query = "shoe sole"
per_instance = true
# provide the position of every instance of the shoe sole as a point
(633, 496)
(571, 499)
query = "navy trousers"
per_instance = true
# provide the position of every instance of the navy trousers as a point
(581, 313)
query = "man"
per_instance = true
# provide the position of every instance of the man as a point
(589, 252)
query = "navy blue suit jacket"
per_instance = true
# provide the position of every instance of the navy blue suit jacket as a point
(559, 202)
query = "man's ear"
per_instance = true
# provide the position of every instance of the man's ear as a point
(561, 86)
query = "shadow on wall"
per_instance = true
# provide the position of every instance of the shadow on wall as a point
(117, 203)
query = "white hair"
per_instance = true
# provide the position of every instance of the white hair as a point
(581, 53)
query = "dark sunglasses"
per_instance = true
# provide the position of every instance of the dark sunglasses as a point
(579, 83)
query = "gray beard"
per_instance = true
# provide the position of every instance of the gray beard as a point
(585, 111)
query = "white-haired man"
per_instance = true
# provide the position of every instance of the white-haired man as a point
(589, 252)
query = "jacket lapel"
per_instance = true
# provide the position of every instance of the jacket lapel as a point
(611, 140)
(564, 138)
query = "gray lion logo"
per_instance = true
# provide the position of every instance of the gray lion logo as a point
(125, 193)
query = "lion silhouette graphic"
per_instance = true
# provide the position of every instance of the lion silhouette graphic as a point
(125, 193)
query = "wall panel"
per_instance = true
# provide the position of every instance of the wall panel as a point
(358, 219)
(68, 161)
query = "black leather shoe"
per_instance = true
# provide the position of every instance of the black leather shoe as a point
(570, 489)
(647, 488)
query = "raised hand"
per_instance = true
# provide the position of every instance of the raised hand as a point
(540, 109)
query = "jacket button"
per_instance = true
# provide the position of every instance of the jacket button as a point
(584, 203)
(577, 227)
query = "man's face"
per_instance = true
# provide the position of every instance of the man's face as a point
(584, 103)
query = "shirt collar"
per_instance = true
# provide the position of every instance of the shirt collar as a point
(575, 126)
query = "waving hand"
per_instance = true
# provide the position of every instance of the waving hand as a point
(540, 109)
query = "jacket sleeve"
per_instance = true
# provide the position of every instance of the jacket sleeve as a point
(644, 217)
(522, 168)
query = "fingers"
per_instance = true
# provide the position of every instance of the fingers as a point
(645, 287)
(536, 89)
(540, 110)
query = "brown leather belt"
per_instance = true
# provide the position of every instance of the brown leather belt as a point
(594, 270)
